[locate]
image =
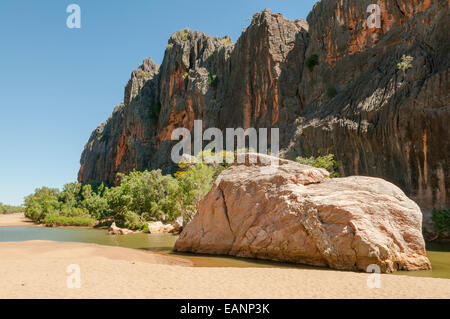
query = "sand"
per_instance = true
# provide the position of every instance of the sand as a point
(37, 269)
(16, 220)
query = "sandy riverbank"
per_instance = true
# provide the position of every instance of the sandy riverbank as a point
(37, 269)
(16, 220)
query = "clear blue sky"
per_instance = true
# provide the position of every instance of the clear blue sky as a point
(57, 84)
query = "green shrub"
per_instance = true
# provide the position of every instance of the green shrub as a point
(169, 46)
(184, 35)
(144, 75)
(194, 184)
(441, 220)
(226, 41)
(139, 198)
(43, 202)
(71, 211)
(99, 187)
(145, 194)
(97, 206)
(133, 221)
(71, 194)
(312, 61)
(7, 209)
(405, 63)
(331, 92)
(76, 202)
(326, 162)
(55, 219)
(196, 180)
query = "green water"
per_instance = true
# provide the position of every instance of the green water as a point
(439, 254)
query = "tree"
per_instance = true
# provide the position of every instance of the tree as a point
(406, 63)
(145, 194)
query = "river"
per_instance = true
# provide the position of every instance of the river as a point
(439, 254)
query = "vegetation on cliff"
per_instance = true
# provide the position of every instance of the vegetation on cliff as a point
(406, 63)
(312, 61)
(441, 220)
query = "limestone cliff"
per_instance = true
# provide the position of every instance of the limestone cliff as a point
(355, 103)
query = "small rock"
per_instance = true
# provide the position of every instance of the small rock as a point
(114, 230)
(159, 228)
(177, 225)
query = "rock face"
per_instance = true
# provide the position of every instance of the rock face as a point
(298, 214)
(379, 121)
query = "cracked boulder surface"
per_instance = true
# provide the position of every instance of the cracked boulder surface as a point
(297, 214)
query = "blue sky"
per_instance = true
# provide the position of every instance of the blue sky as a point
(57, 84)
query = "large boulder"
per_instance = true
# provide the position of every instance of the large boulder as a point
(296, 213)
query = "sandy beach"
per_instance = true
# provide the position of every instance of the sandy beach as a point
(16, 220)
(38, 269)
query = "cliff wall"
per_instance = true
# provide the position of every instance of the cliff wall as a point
(355, 103)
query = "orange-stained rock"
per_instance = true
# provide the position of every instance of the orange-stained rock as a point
(297, 214)
(355, 103)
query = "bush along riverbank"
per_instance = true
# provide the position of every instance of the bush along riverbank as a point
(140, 197)
(7, 209)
